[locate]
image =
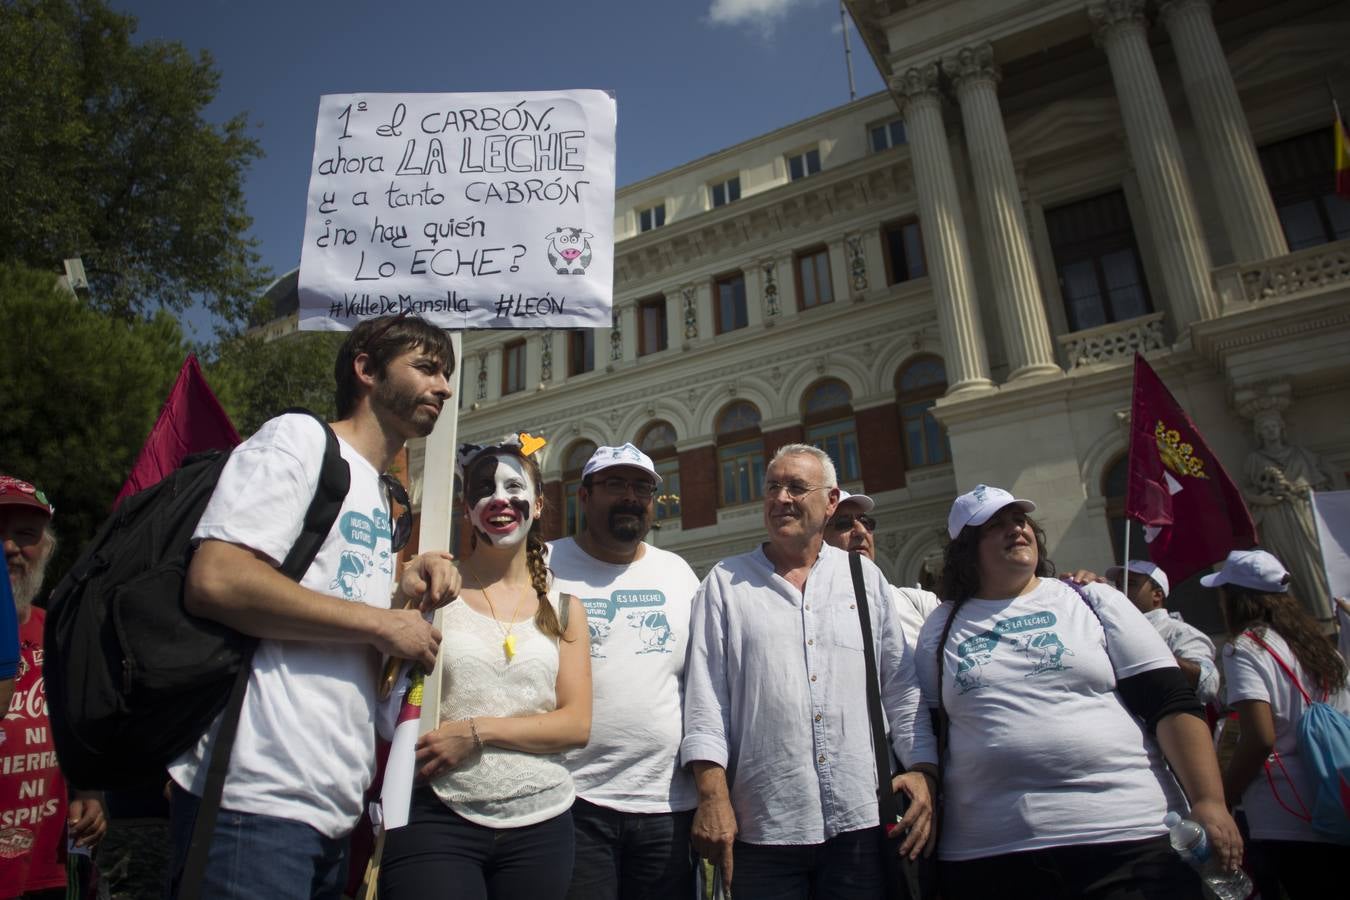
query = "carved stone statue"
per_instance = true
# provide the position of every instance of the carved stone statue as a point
(1280, 477)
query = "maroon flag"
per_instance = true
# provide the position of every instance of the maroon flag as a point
(1192, 513)
(192, 420)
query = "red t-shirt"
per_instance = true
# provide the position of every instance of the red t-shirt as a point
(32, 791)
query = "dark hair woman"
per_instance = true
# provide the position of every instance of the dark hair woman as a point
(1276, 654)
(495, 819)
(1063, 707)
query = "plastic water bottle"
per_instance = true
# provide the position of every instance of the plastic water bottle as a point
(1191, 843)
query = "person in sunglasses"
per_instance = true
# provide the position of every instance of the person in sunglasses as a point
(305, 750)
(851, 528)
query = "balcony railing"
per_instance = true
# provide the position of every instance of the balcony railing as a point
(1314, 270)
(1110, 343)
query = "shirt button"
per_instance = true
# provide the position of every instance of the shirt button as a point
(817, 717)
(808, 606)
(813, 678)
(820, 758)
(810, 642)
(852, 606)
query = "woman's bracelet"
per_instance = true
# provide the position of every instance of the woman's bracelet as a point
(477, 741)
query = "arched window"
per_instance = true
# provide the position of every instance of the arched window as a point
(658, 441)
(574, 519)
(740, 455)
(917, 388)
(827, 411)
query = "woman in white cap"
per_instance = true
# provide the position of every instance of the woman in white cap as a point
(493, 818)
(1277, 660)
(1060, 704)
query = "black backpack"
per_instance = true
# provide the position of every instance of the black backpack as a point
(133, 679)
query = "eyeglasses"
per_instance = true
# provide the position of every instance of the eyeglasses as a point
(796, 489)
(403, 527)
(617, 487)
(845, 522)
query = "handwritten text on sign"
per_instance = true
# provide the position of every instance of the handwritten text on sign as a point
(473, 210)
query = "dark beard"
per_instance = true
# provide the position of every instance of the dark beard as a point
(403, 405)
(628, 532)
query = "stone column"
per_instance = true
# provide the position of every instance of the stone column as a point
(1248, 212)
(1120, 29)
(493, 367)
(1021, 309)
(628, 324)
(944, 229)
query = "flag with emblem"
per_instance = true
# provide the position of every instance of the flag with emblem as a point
(1192, 512)
(396, 793)
(1342, 158)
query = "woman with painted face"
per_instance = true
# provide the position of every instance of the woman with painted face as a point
(1061, 709)
(1275, 665)
(492, 818)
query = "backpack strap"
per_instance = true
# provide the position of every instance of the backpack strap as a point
(334, 482)
(886, 804)
(1307, 698)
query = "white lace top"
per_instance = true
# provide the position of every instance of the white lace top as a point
(500, 788)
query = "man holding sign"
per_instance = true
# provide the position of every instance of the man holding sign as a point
(305, 750)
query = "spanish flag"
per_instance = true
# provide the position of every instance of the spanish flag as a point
(1342, 159)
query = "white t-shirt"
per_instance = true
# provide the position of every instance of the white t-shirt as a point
(638, 616)
(1042, 752)
(306, 744)
(499, 787)
(912, 607)
(1252, 674)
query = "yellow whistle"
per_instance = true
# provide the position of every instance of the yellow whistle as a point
(509, 645)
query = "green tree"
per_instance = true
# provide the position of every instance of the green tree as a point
(105, 155)
(256, 379)
(81, 390)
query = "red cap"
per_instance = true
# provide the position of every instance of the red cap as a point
(16, 492)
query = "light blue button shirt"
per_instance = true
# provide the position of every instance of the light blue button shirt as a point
(775, 692)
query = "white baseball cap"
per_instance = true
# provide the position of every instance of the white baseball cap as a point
(862, 500)
(627, 455)
(979, 506)
(1255, 570)
(1145, 568)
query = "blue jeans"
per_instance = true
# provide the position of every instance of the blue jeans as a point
(441, 854)
(846, 867)
(256, 856)
(631, 856)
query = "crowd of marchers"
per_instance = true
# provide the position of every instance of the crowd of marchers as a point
(606, 719)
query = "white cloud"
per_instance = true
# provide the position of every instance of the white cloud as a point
(758, 13)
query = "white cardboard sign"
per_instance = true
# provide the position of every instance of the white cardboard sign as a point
(486, 210)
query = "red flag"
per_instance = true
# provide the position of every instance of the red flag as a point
(1193, 514)
(192, 420)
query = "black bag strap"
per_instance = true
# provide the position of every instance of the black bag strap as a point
(334, 481)
(887, 808)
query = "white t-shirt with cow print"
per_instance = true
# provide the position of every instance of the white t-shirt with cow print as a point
(639, 622)
(1042, 752)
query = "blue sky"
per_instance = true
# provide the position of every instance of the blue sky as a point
(690, 76)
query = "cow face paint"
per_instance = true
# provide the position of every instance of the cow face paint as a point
(501, 498)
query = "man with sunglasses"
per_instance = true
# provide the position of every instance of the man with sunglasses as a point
(851, 528)
(777, 721)
(634, 802)
(305, 750)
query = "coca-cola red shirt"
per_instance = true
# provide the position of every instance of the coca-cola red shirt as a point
(32, 791)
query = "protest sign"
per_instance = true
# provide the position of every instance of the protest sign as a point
(485, 210)
(1331, 510)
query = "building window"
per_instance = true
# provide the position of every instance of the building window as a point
(918, 386)
(658, 441)
(724, 192)
(886, 135)
(904, 251)
(740, 455)
(827, 411)
(1097, 261)
(1302, 179)
(574, 518)
(651, 325)
(731, 311)
(580, 351)
(513, 367)
(813, 278)
(802, 164)
(652, 217)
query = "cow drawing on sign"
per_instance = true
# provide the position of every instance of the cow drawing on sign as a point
(653, 631)
(569, 251)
